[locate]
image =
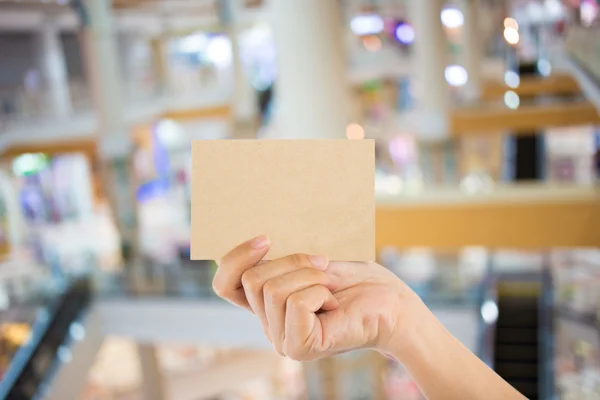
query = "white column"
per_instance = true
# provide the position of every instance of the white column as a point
(429, 63)
(244, 98)
(152, 377)
(54, 71)
(115, 147)
(104, 75)
(472, 48)
(311, 93)
(116, 155)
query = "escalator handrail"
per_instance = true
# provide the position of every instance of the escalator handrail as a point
(25, 352)
(487, 329)
(546, 336)
(59, 314)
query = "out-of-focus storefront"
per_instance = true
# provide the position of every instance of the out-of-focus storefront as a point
(57, 198)
(203, 61)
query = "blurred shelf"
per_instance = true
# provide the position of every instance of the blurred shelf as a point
(556, 84)
(502, 193)
(497, 118)
(520, 216)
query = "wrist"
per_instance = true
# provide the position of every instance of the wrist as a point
(414, 324)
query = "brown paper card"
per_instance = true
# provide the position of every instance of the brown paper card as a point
(309, 196)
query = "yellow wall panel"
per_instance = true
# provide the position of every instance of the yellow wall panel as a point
(517, 225)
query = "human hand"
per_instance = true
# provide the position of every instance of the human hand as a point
(310, 308)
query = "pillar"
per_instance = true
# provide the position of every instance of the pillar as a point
(429, 64)
(54, 71)
(311, 93)
(160, 59)
(244, 98)
(153, 386)
(116, 158)
(472, 48)
(115, 145)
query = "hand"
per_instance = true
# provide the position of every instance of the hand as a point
(310, 308)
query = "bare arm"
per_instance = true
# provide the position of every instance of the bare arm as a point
(310, 308)
(442, 367)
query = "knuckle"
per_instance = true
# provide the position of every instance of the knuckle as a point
(272, 290)
(250, 279)
(296, 301)
(298, 259)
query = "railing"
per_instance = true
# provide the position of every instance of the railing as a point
(34, 364)
(546, 336)
(21, 105)
(18, 105)
(583, 44)
(488, 300)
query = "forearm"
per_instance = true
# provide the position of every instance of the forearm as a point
(445, 369)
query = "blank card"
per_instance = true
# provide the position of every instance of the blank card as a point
(309, 196)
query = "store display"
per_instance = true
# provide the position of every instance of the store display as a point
(576, 276)
(13, 335)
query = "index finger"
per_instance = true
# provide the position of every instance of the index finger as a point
(227, 282)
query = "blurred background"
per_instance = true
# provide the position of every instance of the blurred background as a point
(487, 129)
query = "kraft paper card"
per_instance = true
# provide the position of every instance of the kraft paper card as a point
(309, 196)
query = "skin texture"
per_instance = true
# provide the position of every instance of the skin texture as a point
(310, 308)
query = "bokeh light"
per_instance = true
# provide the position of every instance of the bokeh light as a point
(544, 67)
(456, 75)
(193, 43)
(367, 25)
(372, 43)
(355, 131)
(452, 17)
(511, 23)
(405, 33)
(489, 311)
(554, 8)
(511, 35)
(588, 11)
(512, 79)
(512, 100)
(218, 51)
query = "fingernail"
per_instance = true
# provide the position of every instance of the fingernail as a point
(319, 261)
(259, 242)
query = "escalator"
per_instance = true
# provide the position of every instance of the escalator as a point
(516, 336)
(36, 364)
(517, 355)
(518, 342)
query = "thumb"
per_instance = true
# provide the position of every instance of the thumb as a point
(227, 282)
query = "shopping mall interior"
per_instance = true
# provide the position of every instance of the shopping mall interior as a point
(486, 121)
